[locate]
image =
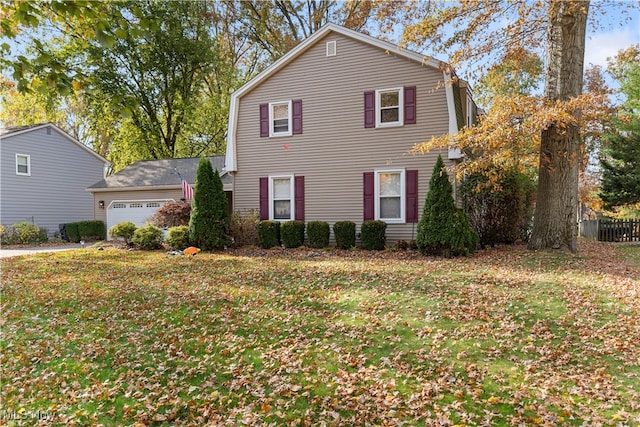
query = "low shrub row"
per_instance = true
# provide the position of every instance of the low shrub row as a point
(290, 234)
(267, 234)
(147, 237)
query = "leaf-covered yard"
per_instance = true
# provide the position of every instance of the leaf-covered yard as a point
(302, 337)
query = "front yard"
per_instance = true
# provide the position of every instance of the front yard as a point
(307, 337)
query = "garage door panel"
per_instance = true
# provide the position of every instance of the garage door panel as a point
(137, 211)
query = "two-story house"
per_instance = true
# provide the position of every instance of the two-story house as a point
(324, 132)
(44, 176)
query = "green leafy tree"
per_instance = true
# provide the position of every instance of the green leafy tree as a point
(621, 168)
(620, 182)
(443, 229)
(209, 223)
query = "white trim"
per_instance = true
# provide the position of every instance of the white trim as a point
(230, 157)
(291, 197)
(289, 131)
(400, 120)
(453, 152)
(28, 157)
(403, 195)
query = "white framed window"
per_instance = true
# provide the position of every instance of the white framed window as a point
(281, 201)
(390, 193)
(389, 107)
(23, 164)
(280, 119)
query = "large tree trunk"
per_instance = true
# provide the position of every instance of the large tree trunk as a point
(555, 219)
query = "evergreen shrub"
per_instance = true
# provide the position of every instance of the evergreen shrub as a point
(318, 234)
(123, 230)
(209, 223)
(73, 232)
(178, 237)
(269, 234)
(292, 234)
(148, 237)
(345, 234)
(444, 229)
(502, 212)
(373, 235)
(90, 230)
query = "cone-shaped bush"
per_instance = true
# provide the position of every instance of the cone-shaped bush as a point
(443, 229)
(209, 223)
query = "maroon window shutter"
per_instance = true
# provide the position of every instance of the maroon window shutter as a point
(369, 196)
(296, 114)
(264, 198)
(369, 109)
(409, 105)
(299, 197)
(264, 120)
(412, 196)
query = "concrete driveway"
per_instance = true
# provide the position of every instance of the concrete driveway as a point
(11, 251)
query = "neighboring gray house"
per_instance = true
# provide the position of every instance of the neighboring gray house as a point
(44, 176)
(324, 132)
(137, 191)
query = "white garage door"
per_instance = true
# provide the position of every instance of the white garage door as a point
(136, 211)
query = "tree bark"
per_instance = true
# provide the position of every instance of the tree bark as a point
(555, 218)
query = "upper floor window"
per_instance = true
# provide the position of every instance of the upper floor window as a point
(390, 107)
(23, 164)
(389, 111)
(281, 118)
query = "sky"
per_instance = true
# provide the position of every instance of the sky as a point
(616, 33)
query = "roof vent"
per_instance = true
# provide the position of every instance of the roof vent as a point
(331, 48)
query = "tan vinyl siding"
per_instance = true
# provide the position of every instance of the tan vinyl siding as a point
(115, 196)
(335, 148)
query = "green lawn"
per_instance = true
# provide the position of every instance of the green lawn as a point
(302, 337)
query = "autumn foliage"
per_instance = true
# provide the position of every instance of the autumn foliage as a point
(342, 338)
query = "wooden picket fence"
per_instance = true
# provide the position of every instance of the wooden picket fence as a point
(607, 230)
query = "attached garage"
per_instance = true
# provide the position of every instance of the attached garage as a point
(137, 211)
(137, 191)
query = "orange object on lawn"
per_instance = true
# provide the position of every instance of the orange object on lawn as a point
(191, 251)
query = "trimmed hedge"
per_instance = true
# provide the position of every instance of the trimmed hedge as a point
(373, 235)
(85, 230)
(269, 234)
(345, 234)
(318, 234)
(292, 234)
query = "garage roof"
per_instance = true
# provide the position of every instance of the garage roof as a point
(158, 173)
